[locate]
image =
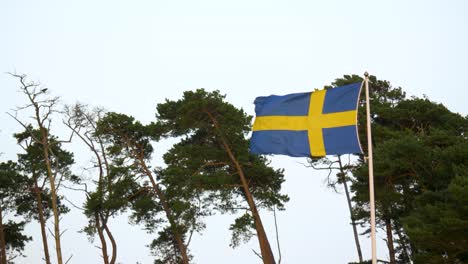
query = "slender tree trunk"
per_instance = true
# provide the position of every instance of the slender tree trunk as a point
(45, 144)
(404, 246)
(167, 210)
(391, 249)
(101, 222)
(109, 189)
(40, 210)
(97, 219)
(350, 207)
(113, 244)
(267, 253)
(105, 256)
(3, 256)
(53, 191)
(277, 236)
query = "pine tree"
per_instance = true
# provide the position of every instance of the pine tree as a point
(214, 155)
(113, 181)
(43, 107)
(411, 140)
(37, 202)
(13, 185)
(128, 139)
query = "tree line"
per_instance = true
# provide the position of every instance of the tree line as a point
(421, 157)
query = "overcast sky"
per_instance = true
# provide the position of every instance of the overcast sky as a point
(129, 55)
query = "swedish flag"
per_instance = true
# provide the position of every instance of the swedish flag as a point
(314, 124)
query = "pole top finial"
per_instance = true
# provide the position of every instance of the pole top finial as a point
(366, 74)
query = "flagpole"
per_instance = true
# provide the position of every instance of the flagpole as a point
(371, 171)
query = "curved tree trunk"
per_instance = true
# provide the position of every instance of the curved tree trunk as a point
(265, 248)
(350, 208)
(42, 221)
(267, 253)
(113, 244)
(100, 221)
(105, 256)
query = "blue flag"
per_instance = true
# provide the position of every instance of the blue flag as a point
(309, 124)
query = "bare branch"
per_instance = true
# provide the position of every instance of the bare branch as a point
(74, 205)
(277, 235)
(190, 237)
(310, 165)
(209, 164)
(63, 232)
(237, 208)
(51, 233)
(12, 257)
(68, 260)
(256, 253)
(25, 127)
(75, 189)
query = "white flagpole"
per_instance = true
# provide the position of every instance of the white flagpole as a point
(371, 171)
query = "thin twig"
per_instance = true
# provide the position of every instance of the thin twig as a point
(75, 189)
(256, 253)
(66, 262)
(277, 235)
(74, 205)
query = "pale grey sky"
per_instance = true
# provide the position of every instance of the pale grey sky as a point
(129, 55)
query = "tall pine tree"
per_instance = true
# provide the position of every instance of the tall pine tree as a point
(214, 156)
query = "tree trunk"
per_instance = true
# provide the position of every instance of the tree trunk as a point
(105, 256)
(3, 256)
(101, 222)
(58, 247)
(45, 144)
(404, 246)
(167, 210)
(113, 244)
(391, 249)
(267, 253)
(350, 207)
(40, 210)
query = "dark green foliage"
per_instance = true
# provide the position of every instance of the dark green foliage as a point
(32, 164)
(13, 186)
(165, 249)
(146, 209)
(114, 183)
(419, 147)
(190, 114)
(32, 161)
(27, 204)
(439, 224)
(199, 167)
(126, 141)
(242, 230)
(112, 197)
(130, 141)
(14, 236)
(119, 129)
(12, 183)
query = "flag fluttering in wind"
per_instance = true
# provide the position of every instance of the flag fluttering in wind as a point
(309, 124)
(315, 124)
